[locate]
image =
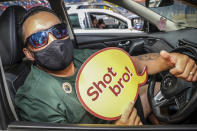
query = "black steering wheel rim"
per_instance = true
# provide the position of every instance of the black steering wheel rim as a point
(175, 118)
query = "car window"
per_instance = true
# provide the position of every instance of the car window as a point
(110, 22)
(75, 20)
(67, 8)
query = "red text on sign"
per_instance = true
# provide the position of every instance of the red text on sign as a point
(97, 88)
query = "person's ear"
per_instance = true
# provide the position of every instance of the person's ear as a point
(28, 54)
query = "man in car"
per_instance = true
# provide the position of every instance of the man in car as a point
(94, 21)
(48, 93)
(101, 24)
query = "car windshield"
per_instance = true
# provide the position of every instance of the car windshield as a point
(181, 12)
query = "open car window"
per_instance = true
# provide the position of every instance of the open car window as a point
(111, 22)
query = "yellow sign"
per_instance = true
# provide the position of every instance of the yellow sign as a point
(107, 82)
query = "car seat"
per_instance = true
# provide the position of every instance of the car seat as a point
(16, 70)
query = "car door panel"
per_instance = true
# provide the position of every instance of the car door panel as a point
(91, 39)
(135, 44)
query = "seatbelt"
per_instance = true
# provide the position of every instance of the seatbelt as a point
(7, 92)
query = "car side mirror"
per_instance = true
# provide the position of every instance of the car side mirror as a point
(158, 3)
(137, 23)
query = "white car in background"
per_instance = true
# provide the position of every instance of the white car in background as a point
(100, 5)
(115, 23)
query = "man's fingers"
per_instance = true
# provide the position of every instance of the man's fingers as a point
(125, 116)
(180, 66)
(166, 55)
(192, 73)
(129, 117)
(137, 120)
(185, 67)
(140, 124)
(195, 76)
(190, 66)
(132, 116)
(191, 76)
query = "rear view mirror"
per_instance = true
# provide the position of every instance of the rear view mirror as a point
(158, 3)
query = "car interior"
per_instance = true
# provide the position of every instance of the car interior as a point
(15, 68)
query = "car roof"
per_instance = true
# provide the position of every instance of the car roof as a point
(90, 10)
(86, 3)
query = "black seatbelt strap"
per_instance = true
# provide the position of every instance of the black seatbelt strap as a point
(7, 92)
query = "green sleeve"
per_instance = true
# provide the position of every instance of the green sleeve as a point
(38, 111)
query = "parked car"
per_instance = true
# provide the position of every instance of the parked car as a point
(114, 23)
(160, 33)
(100, 5)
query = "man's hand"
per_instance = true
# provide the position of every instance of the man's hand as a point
(129, 117)
(181, 65)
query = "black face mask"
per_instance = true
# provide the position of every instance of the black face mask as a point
(57, 56)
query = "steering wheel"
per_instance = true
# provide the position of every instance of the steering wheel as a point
(175, 94)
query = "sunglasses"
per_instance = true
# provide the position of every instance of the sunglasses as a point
(40, 39)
